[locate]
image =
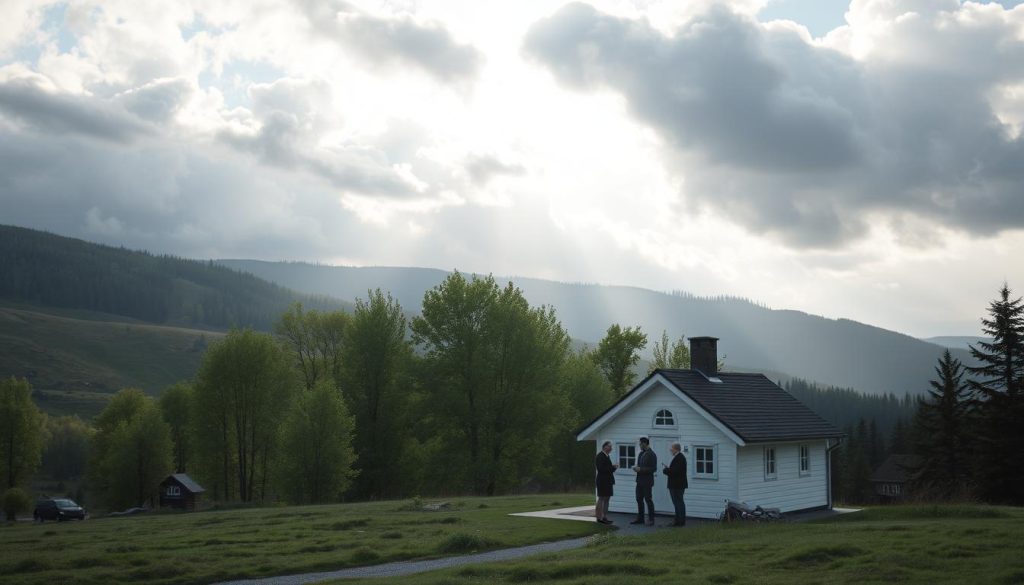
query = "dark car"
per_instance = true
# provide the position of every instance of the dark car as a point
(59, 509)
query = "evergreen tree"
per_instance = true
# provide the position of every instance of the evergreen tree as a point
(899, 443)
(998, 381)
(942, 424)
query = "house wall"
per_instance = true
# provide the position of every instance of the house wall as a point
(705, 498)
(789, 491)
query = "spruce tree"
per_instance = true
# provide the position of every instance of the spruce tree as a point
(998, 380)
(942, 427)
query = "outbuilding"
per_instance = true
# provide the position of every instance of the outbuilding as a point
(180, 491)
(744, 438)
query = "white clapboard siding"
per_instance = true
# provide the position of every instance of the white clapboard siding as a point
(789, 491)
(705, 498)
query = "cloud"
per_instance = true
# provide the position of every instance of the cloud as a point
(482, 168)
(27, 100)
(813, 143)
(392, 40)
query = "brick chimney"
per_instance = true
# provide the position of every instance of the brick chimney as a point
(704, 355)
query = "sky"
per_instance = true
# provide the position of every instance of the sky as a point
(859, 159)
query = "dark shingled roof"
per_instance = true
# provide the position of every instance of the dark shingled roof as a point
(750, 405)
(187, 483)
(896, 469)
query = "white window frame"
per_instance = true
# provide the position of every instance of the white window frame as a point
(771, 464)
(671, 416)
(173, 490)
(618, 455)
(697, 461)
(804, 459)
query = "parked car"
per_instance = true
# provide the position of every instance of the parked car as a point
(59, 509)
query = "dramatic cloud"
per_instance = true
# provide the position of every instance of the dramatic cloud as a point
(808, 141)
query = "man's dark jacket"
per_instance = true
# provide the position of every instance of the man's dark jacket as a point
(676, 472)
(646, 465)
(605, 470)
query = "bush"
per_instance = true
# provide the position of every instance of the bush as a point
(16, 500)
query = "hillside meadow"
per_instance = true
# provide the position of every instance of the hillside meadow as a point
(204, 547)
(902, 544)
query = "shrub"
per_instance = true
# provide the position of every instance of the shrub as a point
(16, 500)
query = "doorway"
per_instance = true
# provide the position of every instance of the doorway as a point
(662, 501)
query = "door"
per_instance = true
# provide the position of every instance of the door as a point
(662, 501)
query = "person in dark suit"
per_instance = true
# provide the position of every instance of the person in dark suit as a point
(605, 479)
(646, 465)
(677, 483)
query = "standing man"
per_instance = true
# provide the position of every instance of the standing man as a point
(646, 465)
(604, 479)
(677, 483)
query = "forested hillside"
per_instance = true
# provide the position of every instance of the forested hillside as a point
(832, 352)
(54, 271)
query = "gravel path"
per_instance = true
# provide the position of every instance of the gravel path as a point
(411, 567)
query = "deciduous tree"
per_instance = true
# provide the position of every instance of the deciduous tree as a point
(616, 355)
(21, 432)
(670, 356)
(176, 408)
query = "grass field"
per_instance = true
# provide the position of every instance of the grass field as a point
(912, 544)
(75, 360)
(218, 545)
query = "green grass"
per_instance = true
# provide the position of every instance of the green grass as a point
(906, 544)
(219, 545)
(75, 360)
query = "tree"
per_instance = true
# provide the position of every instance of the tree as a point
(176, 408)
(998, 381)
(15, 500)
(588, 394)
(243, 385)
(375, 362)
(316, 447)
(492, 362)
(674, 356)
(22, 428)
(616, 355)
(314, 340)
(67, 449)
(131, 450)
(942, 431)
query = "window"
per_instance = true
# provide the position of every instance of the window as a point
(769, 463)
(173, 490)
(805, 460)
(704, 464)
(664, 418)
(627, 456)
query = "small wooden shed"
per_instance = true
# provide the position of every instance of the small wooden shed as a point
(180, 491)
(892, 480)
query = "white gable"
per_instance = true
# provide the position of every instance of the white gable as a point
(594, 429)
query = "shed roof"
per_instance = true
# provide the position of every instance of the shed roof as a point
(896, 469)
(186, 482)
(753, 407)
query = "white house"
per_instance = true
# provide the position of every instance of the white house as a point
(744, 438)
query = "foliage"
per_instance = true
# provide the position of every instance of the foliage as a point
(675, 356)
(216, 546)
(15, 501)
(176, 408)
(22, 428)
(316, 445)
(315, 340)
(493, 363)
(943, 432)
(998, 381)
(588, 394)
(67, 448)
(131, 451)
(376, 359)
(243, 385)
(616, 355)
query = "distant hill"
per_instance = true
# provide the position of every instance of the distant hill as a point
(57, 272)
(840, 353)
(81, 321)
(955, 341)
